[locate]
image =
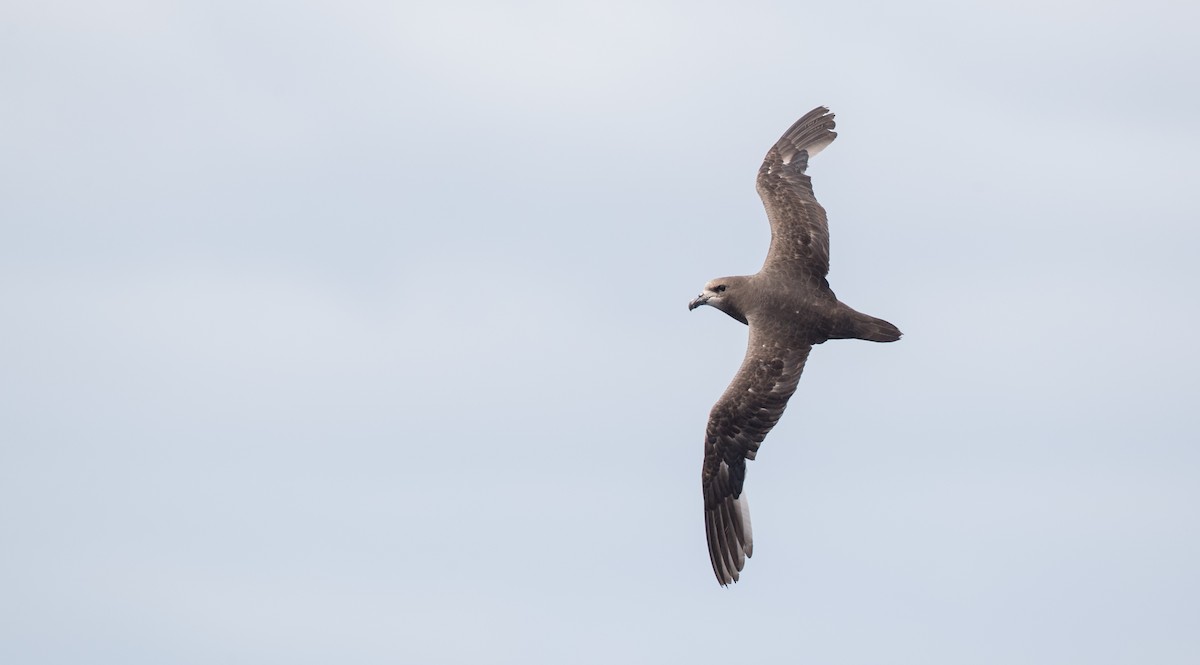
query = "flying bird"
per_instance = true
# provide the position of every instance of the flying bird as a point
(789, 307)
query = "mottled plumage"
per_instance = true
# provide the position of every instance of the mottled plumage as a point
(789, 307)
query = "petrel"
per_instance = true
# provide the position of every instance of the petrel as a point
(789, 307)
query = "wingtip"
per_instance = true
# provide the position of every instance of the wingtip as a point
(812, 133)
(730, 540)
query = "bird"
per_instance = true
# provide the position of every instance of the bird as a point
(788, 307)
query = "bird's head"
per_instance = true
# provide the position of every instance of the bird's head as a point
(723, 293)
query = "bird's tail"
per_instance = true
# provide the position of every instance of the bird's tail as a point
(856, 325)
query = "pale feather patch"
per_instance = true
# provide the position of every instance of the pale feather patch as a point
(817, 147)
(743, 507)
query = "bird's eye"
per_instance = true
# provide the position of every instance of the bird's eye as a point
(720, 288)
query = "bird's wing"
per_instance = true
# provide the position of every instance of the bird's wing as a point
(739, 422)
(799, 230)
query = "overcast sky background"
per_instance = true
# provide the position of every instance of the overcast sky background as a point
(356, 332)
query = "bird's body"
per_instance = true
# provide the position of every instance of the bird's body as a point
(789, 307)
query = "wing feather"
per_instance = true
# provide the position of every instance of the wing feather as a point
(799, 228)
(737, 425)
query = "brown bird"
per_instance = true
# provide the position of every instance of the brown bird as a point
(789, 307)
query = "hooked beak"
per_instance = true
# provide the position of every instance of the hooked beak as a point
(700, 300)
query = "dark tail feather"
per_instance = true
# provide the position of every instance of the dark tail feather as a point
(876, 330)
(856, 325)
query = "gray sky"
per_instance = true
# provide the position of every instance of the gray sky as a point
(352, 332)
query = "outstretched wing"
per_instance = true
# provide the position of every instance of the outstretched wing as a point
(799, 230)
(739, 422)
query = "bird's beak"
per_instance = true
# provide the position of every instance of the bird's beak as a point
(700, 300)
